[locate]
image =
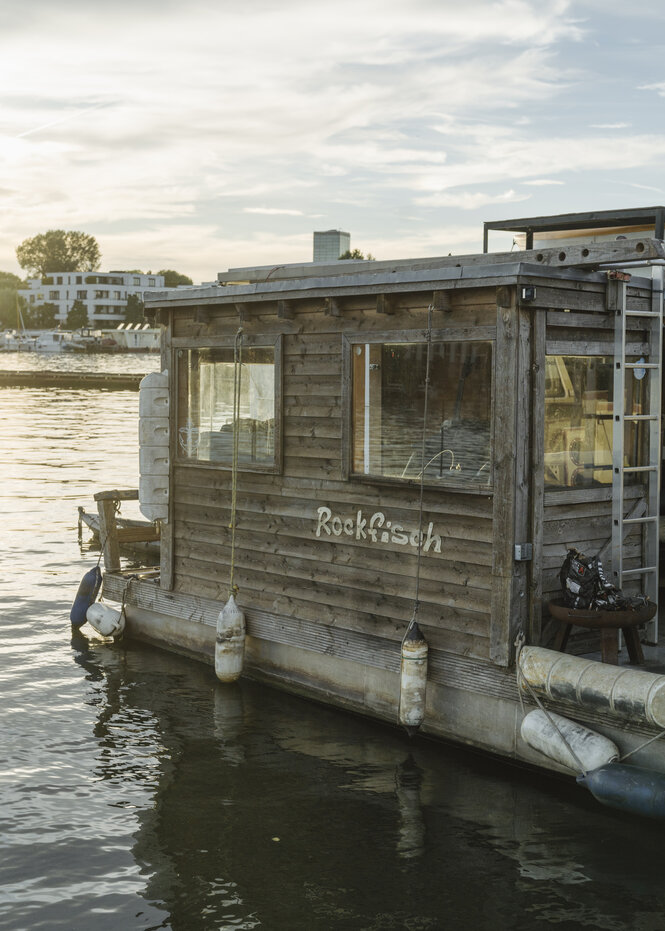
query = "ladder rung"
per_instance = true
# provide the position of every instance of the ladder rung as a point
(642, 571)
(642, 313)
(633, 417)
(640, 520)
(649, 468)
(641, 365)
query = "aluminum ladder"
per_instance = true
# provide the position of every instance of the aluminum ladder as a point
(646, 513)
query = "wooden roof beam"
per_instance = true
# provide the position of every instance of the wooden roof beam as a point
(385, 304)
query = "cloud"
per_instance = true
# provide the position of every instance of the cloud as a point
(467, 200)
(274, 211)
(659, 88)
(224, 118)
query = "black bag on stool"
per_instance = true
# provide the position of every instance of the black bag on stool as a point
(584, 585)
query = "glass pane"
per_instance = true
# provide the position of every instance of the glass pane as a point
(206, 421)
(389, 403)
(579, 416)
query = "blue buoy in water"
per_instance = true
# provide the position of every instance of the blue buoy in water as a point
(628, 788)
(85, 596)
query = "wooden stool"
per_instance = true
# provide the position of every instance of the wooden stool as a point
(609, 642)
(608, 623)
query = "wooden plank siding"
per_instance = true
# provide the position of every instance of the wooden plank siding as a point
(473, 595)
(582, 518)
(281, 567)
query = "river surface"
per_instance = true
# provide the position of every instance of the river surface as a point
(137, 792)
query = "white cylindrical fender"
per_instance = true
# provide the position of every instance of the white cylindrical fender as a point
(557, 740)
(633, 694)
(154, 403)
(230, 642)
(107, 621)
(413, 679)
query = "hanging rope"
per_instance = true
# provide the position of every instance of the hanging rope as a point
(521, 678)
(519, 643)
(416, 604)
(237, 373)
(103, 540)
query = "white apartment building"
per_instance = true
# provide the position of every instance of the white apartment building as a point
(104, 294)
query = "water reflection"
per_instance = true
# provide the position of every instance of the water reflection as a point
(270, 811)
(138, 793)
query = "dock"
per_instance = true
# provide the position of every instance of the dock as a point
(115, 381)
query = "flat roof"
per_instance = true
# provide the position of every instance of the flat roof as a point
(598, 219)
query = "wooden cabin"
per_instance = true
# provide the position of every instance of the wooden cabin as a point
(420, 438)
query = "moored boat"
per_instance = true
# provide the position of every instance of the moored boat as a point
(383, 465)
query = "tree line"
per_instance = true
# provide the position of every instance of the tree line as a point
(62, 251)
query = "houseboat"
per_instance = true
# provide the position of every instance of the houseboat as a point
(381, 468)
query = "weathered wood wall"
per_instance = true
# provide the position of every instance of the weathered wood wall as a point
(473, 595)
(281, 566)
(578, 323)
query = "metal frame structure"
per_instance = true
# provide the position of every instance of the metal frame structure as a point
(598, 219)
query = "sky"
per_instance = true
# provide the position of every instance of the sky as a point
(206, 136)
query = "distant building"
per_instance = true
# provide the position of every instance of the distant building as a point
(103, 294)
(330, 244)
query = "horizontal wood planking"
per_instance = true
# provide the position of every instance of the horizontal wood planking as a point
(365, 581)
(458, 565)
(380, 615)
(279, 508)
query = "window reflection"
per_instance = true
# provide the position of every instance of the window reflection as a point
(205, 421)
(579, 416)
(389, 402)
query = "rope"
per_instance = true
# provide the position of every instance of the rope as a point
(519, 643)
(416, 603)
(641, 746)
(102, 541)
(521, 678)
(237, 374)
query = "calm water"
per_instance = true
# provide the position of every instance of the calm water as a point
(138, 793)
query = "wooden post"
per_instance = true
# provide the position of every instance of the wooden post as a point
(505, 455)
(108, 530)
(537, 475)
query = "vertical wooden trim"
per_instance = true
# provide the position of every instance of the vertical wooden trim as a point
(537, 476)
(505, 454)
(347, 388)
(520, 616)
(279, 405)
(166, 547)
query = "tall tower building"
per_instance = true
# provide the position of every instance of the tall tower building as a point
(330, 244)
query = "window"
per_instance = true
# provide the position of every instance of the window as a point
(205, 407)
(53, 295)
(137, 280)
(81, 295)
(579, 410)
(151, 282)
(388, 403)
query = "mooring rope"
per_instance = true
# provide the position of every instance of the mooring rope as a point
(103, 540)
(237, 374)
(519, 643)
(520, 677)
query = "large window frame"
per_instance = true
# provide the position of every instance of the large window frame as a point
(578, 449)
(181, 368)
(486, 335)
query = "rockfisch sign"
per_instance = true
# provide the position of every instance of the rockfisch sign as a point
(375, 528)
